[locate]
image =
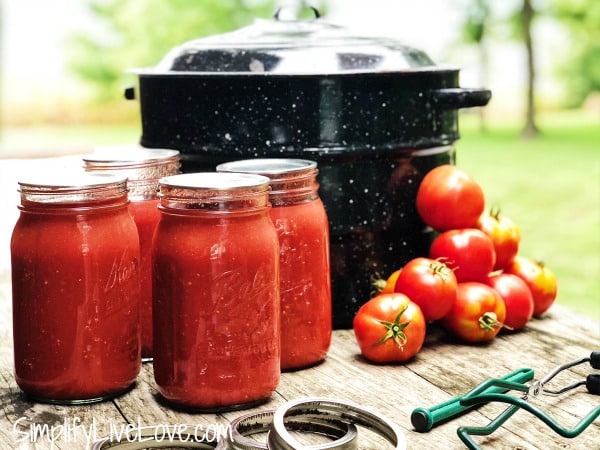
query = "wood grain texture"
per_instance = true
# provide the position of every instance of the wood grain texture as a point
(443, 369)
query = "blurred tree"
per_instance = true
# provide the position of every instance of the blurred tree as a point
(580, 68)
(138, 33)
(481, 20)
(526, 16)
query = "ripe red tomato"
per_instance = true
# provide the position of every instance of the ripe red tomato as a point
(429, 283)
(517, 299)
(468, 251)
(541, 281)
(448, 198)
(505, 235)
(389, 328)
(477, 314)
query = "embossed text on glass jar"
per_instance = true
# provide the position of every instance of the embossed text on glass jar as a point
(75, 287)
(143, 168)
(216, 292)
(303, 229)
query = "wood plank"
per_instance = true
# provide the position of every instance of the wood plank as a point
(455, 367)
(443, 369)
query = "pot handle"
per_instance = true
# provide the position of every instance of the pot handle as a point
(455, 98)
(129, 93)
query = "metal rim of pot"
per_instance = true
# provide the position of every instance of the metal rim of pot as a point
(282, 73)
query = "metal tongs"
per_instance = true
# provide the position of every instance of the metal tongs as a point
(496, 390)
(592, 381)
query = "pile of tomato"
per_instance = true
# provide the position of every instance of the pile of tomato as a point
(474, 282)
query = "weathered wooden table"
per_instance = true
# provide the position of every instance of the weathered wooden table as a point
(442, 370)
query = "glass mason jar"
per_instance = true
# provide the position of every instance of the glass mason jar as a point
(76, 289)
(143, 168)
(303, 229)
(216, 292)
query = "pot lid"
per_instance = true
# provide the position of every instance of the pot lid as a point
(291, 47)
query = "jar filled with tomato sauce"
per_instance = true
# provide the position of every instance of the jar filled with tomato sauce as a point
(303, 229)
(216, 292)
(143, 168)
(75, 288)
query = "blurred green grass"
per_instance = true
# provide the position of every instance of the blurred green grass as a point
(550, 186)
(51, 140)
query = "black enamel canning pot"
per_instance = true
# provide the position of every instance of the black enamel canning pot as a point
(374, 114)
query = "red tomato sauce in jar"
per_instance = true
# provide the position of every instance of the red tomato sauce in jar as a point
(146, 216)
(304, 283)
(75, 287)
(216, 292)
(303, 231)
(143, 168)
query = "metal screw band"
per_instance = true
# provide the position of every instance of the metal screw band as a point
(279, 437)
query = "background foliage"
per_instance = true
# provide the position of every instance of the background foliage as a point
(138, 33)
(483, 21)
(580, 69)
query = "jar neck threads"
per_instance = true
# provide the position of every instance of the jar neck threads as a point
(292, 181)
(74, 191)
(213, 193)
(142, 167)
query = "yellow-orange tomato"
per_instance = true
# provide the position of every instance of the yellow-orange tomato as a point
(388, 286)
(505, 235)
(541, 281)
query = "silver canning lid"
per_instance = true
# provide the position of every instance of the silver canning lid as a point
(72, 187)
(70, 181)
(142, 167)
(274, 168)
(217, 192)
(215, 181)
(128, 156)
(291, 180)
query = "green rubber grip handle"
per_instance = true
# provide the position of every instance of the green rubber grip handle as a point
(425, 419)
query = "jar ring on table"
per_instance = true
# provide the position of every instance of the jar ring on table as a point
(344, 434)
(331, 418)
(279, 438)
